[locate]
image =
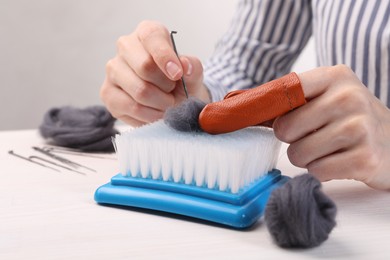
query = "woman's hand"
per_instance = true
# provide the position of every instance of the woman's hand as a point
(343, 132)
(143, 79)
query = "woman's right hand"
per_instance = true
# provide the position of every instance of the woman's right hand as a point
(144, 78)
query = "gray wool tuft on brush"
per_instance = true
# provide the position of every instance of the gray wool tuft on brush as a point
(298, 214)
(184, 117)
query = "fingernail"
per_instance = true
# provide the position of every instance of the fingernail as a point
(189, 70)
(172, 69)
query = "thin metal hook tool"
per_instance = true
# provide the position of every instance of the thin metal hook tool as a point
(175, 49)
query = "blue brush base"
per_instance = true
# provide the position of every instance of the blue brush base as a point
(239, 210)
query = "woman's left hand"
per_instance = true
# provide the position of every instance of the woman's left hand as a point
(343, 132)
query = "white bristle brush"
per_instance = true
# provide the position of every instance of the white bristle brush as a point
(223, 178)
(225, 162)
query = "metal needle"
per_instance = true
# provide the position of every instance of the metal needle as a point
(56, 164)
(62, 150)
(174, 48)
(32, 161)
(62, 159)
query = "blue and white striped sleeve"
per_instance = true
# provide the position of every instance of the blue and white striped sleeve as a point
(264, 39)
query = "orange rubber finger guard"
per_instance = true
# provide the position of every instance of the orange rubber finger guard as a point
(243, 108)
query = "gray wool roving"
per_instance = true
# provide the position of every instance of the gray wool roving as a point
(299, 214)
(184, 117)
(88, 129)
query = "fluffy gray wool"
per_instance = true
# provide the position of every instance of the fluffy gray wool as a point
(88, 129)
(299, 214)
(184, 117)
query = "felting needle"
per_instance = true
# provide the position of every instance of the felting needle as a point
(32, 161)
(174, 48)
(55, 149)
(61, 159)
(56, 164)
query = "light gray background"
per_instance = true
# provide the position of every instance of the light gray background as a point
(53, 53)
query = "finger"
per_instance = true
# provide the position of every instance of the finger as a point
(142, 62)
(193, 71)
(187, 83)
(335, 137)
(351, 164)
(141, 91)
(193, 80)
(157, 42)
(193, 76)
(300, 122)
(120, 104)
(306, 119)
(334, 104)
(315, 82)
(131, 121)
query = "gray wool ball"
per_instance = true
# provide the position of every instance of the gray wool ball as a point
(299, 214)
(184, 117)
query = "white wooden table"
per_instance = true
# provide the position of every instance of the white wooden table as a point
(50, 215)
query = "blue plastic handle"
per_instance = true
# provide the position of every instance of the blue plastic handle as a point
(239, 210)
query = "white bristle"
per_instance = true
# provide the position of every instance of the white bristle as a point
(226, 162)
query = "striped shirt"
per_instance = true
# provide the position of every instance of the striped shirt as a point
(266, 37)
